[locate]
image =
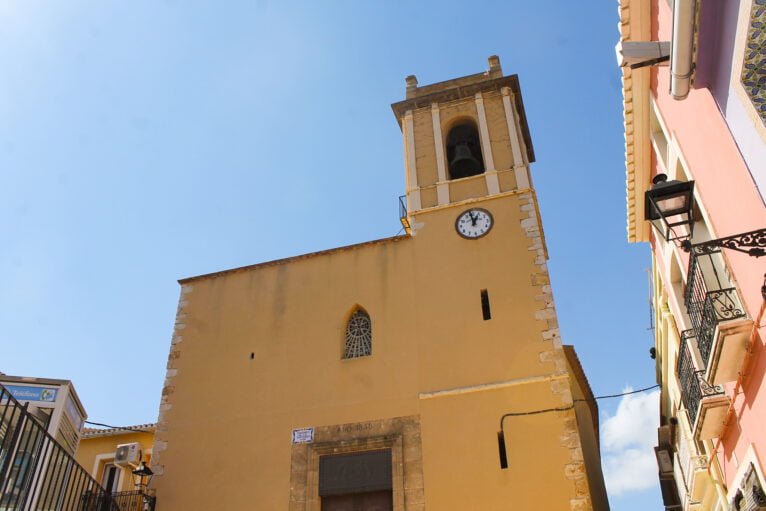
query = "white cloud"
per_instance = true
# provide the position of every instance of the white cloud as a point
(627, 441)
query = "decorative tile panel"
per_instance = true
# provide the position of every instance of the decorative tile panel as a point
(754, 63)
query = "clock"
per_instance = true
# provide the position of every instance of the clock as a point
(474, 223)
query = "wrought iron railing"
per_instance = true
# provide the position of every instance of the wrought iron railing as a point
(36, 472)
(694, 387)
(122, 501)
(134, 501)
(698, 462)
(687, 374)
(709, 297)
(403, 218)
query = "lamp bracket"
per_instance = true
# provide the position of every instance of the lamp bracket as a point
(650, 62)
(752, 243)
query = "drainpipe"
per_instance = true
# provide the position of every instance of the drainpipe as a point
(682, 48)
(718, 479)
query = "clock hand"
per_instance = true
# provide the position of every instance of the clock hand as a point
(473, 218)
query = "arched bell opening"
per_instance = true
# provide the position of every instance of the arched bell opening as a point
(464, 151)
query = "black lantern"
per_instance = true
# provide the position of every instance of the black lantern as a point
(142, 475)
(669, 206)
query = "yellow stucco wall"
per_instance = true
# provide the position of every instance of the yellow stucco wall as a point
(498, 131)
(455, 112)
(468, 188)
(423, 295)
(507, 180)
(94, 452)
(425, 150)
(428, 197)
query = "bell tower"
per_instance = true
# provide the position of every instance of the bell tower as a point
(465, 138)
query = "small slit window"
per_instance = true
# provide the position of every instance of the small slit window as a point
(358, 339)
(464, 151)
(485, 311)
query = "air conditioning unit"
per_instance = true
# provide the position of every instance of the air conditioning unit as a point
(664, 460)
(665, 436)
(127, 454)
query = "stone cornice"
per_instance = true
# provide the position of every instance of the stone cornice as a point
(635, 25)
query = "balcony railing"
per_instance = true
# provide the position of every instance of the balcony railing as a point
(121, 501)
(710, 298)
(36, 472)
(694, 387)
(403, 218)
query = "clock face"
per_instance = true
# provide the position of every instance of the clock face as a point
(474, 223)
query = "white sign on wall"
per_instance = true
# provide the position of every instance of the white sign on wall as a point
(303, 436)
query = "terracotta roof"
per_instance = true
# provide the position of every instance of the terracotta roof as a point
(124, 430)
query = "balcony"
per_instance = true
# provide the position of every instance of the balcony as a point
(718, 319)
(403, 217)
(690, 471)
(699, 478)
(706, 404)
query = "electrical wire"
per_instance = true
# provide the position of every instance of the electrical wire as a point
(622, 393)
(512, 414)
(124, 428)
(574, 401)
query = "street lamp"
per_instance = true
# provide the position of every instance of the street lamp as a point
(141, 473)
(669, 206)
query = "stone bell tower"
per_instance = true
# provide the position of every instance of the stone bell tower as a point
(464, 138)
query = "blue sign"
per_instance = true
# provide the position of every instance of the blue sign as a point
(24, 393)
(303, 436)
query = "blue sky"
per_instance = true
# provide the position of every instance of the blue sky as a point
(140, 142)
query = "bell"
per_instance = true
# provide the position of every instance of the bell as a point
(463, 163)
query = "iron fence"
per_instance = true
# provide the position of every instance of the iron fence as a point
(403, 218)
(694, 387)
(134, 501)
(36, 472)
(121, 501)
(687, 374)
(709, 297)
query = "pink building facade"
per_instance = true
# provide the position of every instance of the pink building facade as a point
(698, 118)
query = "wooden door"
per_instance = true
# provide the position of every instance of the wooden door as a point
(370, 501)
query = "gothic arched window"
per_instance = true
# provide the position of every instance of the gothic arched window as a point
(358, 341)
(464, 151)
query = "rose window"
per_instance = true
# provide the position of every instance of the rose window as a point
(358, 335)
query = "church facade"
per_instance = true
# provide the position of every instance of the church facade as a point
(422, 371)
